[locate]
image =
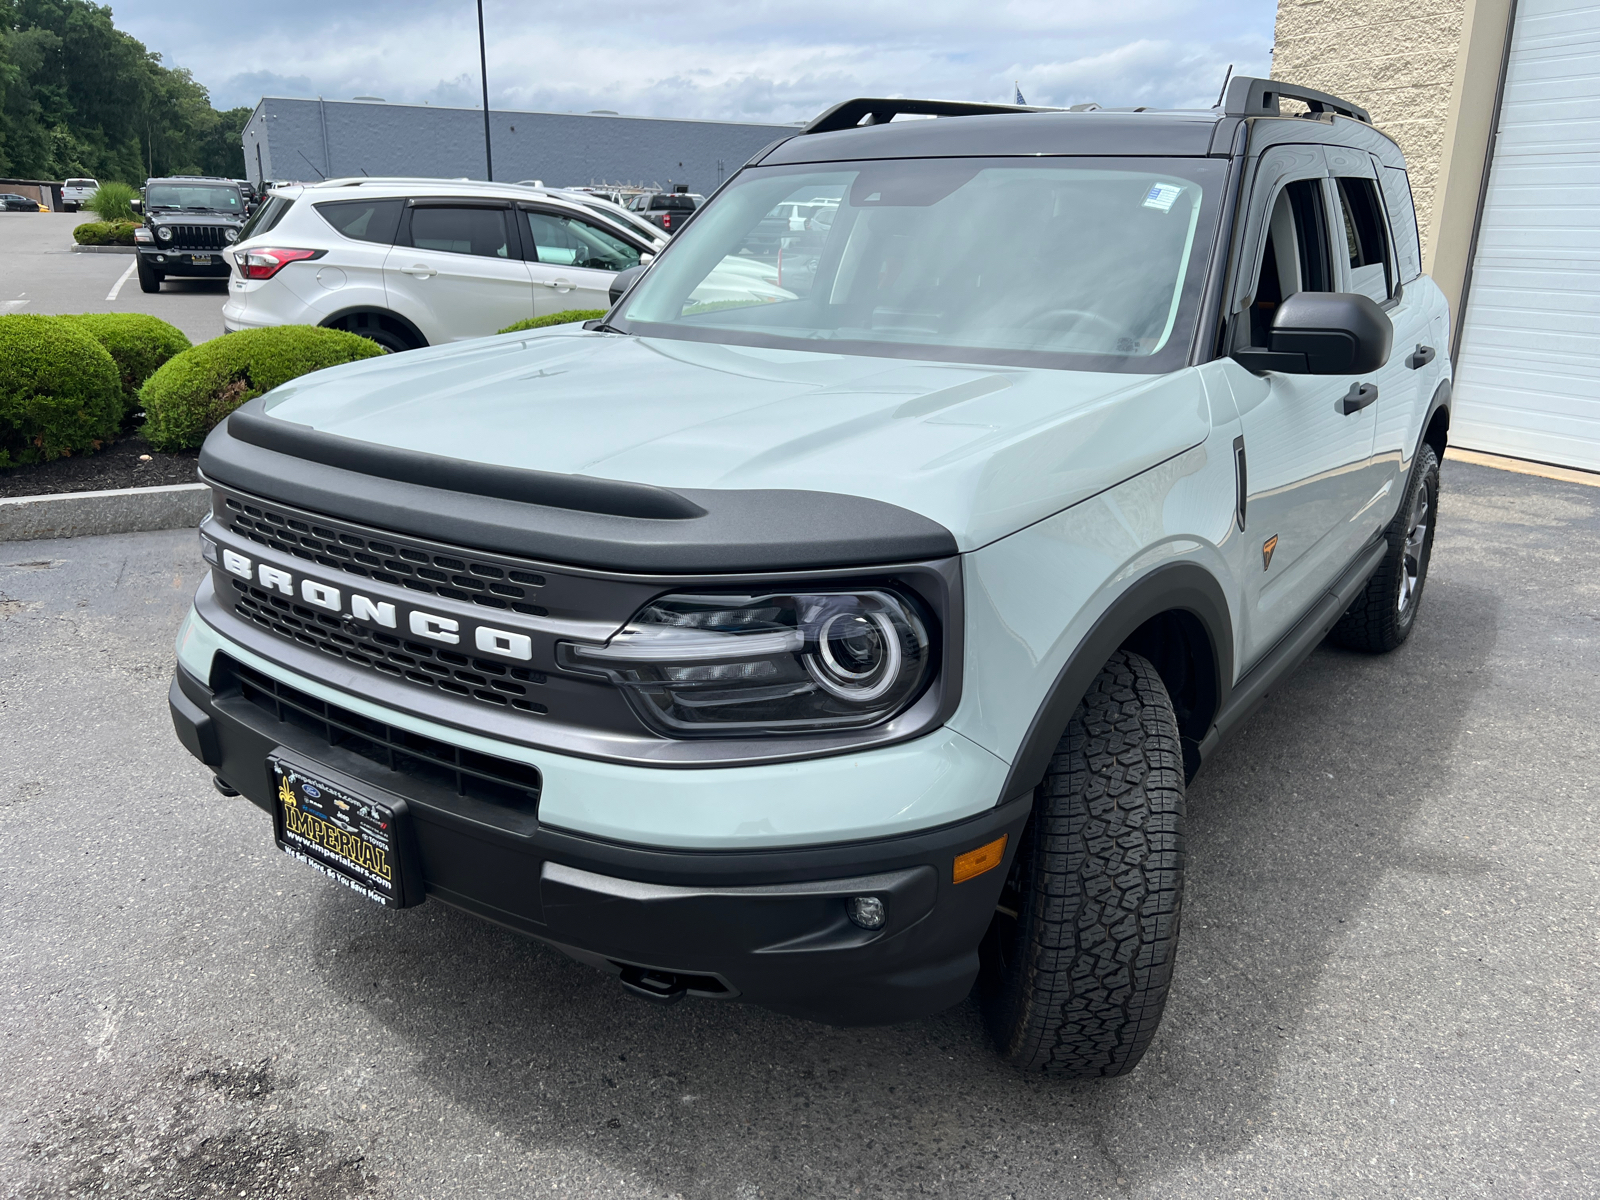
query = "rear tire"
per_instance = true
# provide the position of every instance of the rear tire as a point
(1074, 983)
(370, 326)
(149, 278)
(1385, 612)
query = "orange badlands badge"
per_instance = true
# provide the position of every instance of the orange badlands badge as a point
(1267, 547)
(975, 862)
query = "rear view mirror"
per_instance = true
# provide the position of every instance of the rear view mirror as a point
(1323, 333)
(623, 280)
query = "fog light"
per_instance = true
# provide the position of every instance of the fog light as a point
(867, 911)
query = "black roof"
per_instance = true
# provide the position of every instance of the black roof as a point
(1102, 132)
(862, 128)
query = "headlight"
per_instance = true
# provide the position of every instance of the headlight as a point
(709, 665)
(164, 233)
(230, 235)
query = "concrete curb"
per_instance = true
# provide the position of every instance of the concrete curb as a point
(86, 514)
(77, 249)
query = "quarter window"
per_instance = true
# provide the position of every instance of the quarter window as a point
(364, 220)
(569, 242)
(478, 231)
(1364, 238)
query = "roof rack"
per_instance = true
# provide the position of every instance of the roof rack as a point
(853, 113)
(1247, 97)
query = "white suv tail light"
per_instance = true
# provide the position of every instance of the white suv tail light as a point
(265, 262)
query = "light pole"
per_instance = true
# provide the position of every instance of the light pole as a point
(483, 73)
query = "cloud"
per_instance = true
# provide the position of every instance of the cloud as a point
(765, 60)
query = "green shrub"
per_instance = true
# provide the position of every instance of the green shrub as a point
(113, 201)
(185, 398)
(59, 393)
(137, 342)
(570, 317)
(105, 233)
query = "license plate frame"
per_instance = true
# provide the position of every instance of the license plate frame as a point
(202, 260)
(344, 832)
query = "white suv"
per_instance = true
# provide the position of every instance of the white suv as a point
(417, 262)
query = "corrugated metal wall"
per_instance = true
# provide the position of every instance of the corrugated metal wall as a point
(1528, 372)
(315, 139)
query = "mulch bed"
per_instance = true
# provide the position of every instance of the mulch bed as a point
(115, 465)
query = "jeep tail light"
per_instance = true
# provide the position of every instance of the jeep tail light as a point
(265, 262)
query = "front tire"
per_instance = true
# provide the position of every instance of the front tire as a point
(1385, 612)
(1078, 959)
(149, 278)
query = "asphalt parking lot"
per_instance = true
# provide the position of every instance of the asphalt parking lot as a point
(1387, 983)
(40, 273)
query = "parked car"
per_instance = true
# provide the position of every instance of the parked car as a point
(669, 210)
(613, 212)
(189, 220)
(75, 192)
(417, 262)
(11, 202)
(847, 651)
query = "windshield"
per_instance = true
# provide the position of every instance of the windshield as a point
(210, 197)
(1092, 264)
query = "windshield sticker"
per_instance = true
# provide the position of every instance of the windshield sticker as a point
(1163, 196)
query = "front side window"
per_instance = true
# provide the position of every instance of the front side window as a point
(195, 196)
(569, 242)
(364, 220)
(1088, 264)
(1364, 237)
(464, 230)
(1295, 256)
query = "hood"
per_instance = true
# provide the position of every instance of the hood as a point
(983, 451)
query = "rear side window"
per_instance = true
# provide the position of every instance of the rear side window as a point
(265, 217)
(364, 220)
(483, 232)
(1402, 221)
(1364, 239)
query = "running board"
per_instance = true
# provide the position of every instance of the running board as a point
(1294, 647)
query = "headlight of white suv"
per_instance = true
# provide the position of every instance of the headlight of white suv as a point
(747, 665)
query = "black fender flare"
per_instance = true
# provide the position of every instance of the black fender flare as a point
(1175, 587)
(412, 331)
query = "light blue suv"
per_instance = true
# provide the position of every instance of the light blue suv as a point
(836, 624)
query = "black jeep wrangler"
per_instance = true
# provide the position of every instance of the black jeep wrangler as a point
(188, 221)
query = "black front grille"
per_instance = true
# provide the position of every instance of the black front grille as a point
(426, 666)
(459, 575)
(197, 237)
(496, 781)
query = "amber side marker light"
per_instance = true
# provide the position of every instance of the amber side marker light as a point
(975, 862)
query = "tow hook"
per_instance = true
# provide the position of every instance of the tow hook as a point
(657, 986)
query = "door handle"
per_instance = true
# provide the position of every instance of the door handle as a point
(1358, 397)
(1420, 357)
(419, 271)
(560, 285)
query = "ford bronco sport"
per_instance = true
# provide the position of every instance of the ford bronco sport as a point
(843, 644)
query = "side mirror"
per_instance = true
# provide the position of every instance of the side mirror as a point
(136, 205)
(1323, 333)
(623, 280)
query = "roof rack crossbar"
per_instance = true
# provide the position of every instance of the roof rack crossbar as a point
(852, 113)
(1247, 97)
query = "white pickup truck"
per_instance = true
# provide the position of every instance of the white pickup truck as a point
(75, 193)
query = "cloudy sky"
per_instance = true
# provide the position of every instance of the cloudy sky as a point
(762, 60)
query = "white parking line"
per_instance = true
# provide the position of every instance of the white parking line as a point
(126, 275)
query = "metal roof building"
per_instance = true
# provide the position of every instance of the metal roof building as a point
(326, 139)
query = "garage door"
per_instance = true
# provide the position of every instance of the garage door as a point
(1528, 374)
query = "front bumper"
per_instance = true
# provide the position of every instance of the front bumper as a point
(768, 926)
(181, 262)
